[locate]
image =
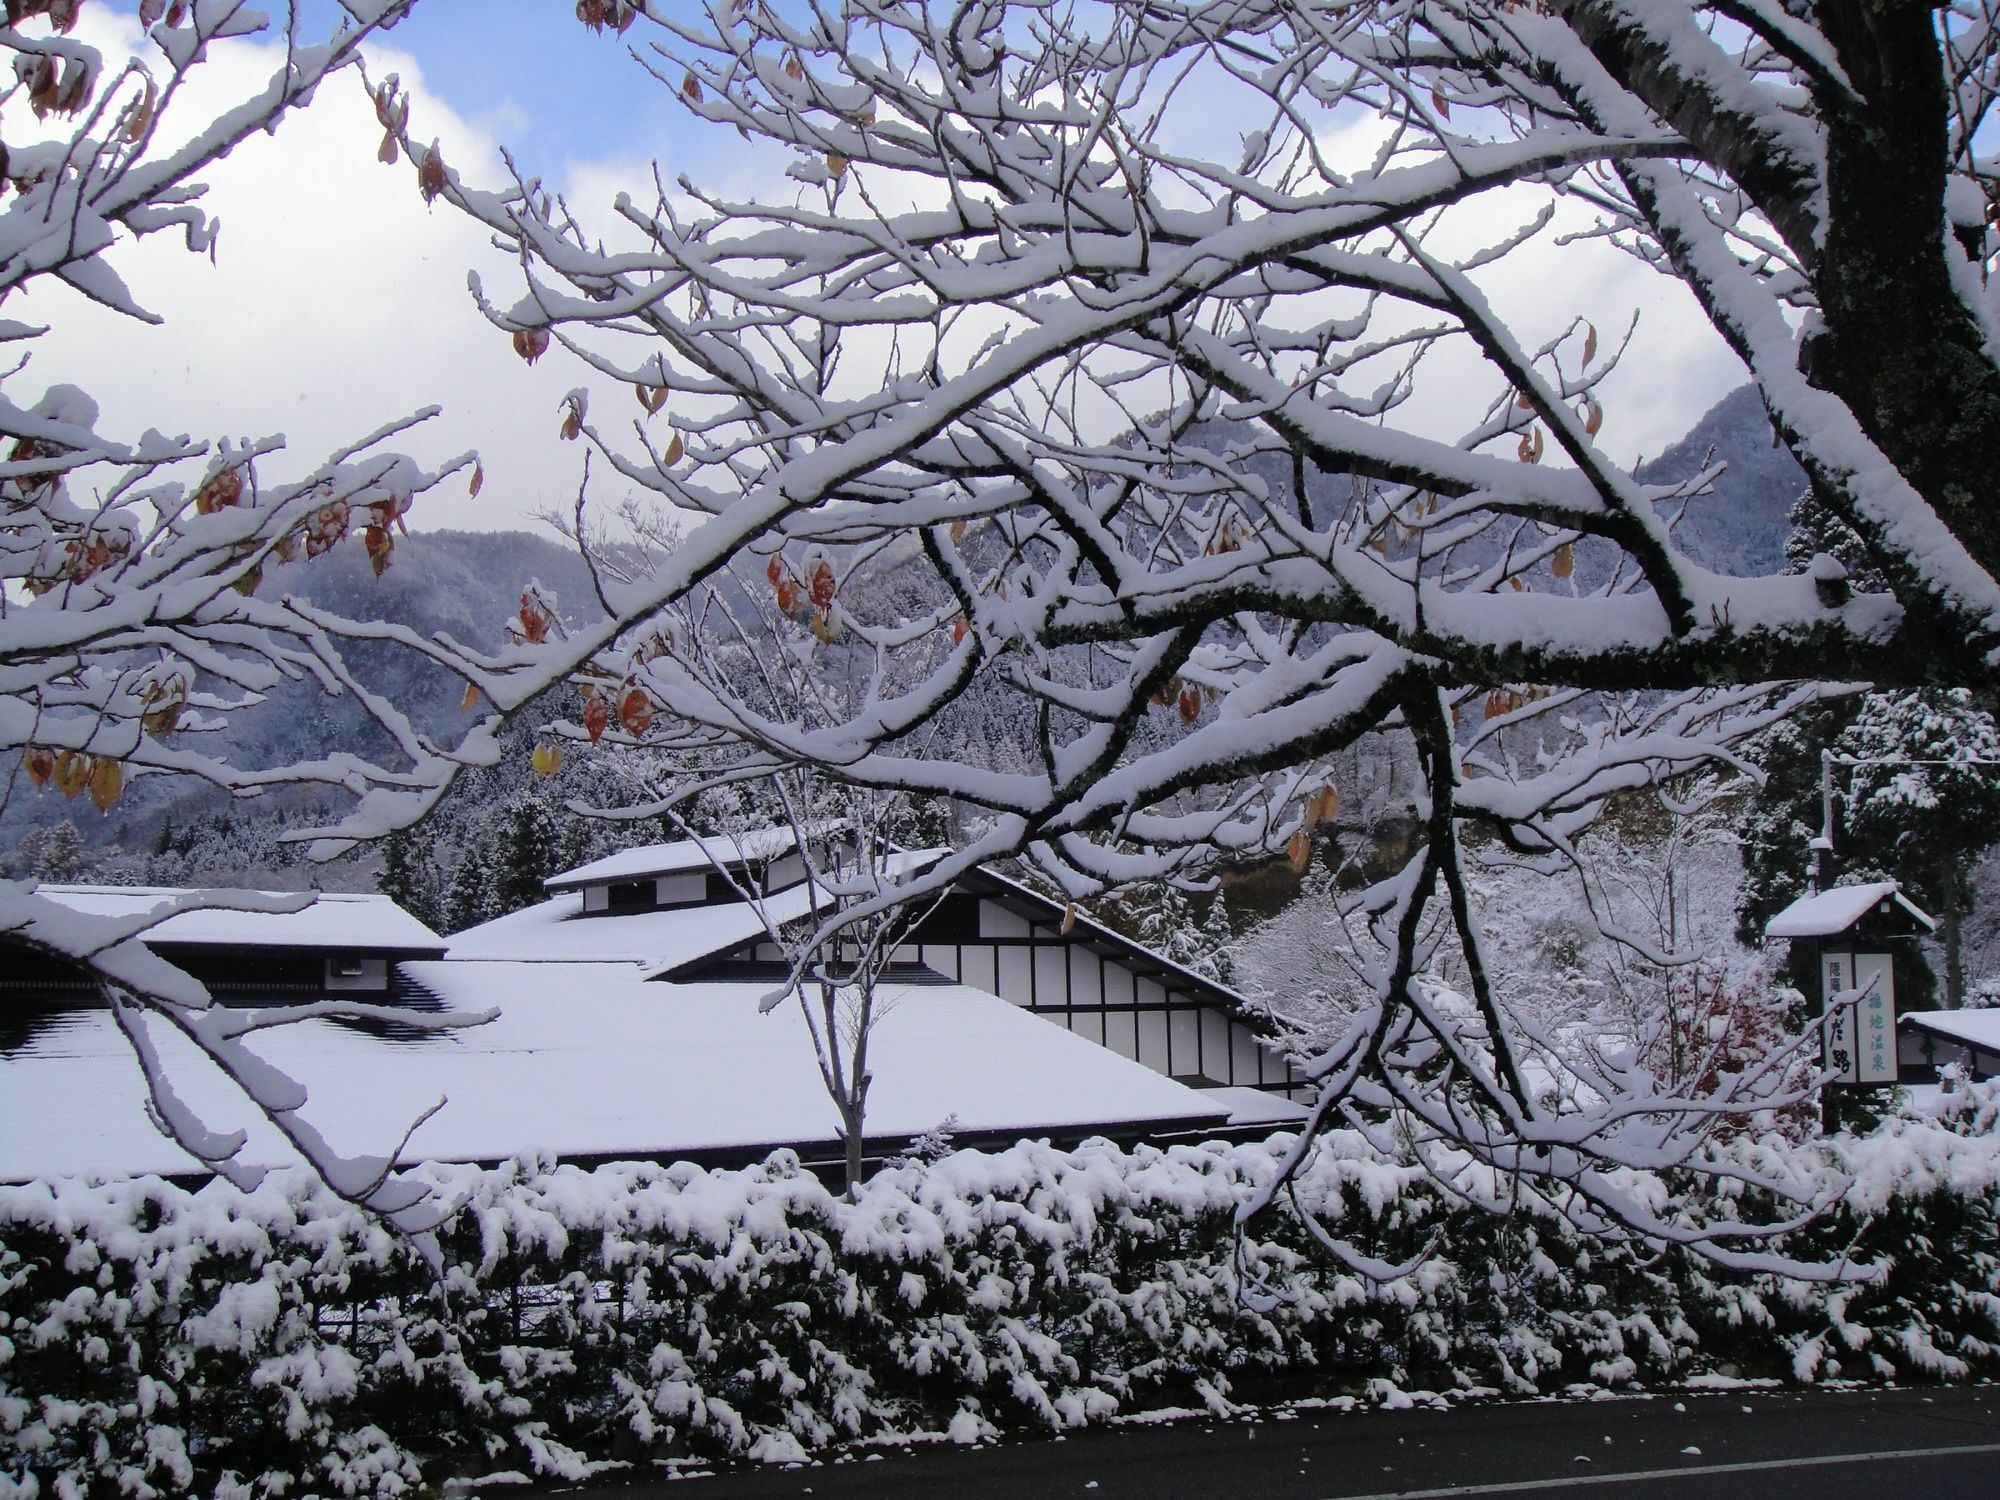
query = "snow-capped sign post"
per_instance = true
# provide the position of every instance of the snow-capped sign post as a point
(1857, 986)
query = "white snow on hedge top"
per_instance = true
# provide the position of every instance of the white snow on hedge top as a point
(587, 1061)
(349, 923)
(1976, 1028)
(676, 858)
(1833, 912)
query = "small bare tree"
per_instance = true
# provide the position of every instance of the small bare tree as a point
(838, 920)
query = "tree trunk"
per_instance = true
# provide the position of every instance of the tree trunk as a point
(855, 1163)
(851, 1137)
(1898, 346)
(1954, 948)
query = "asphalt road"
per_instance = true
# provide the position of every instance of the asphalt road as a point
(1865, 1445)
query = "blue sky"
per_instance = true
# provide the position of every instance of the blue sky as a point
(529, 72)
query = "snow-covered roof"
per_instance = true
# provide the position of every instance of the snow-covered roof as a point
(662, 940)
(679, 857)
(1974, 1028)
(586, 1060)
(1832, 912)
(334, 921)
(1248, 1106)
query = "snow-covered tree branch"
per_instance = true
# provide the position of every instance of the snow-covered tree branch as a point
(152, 586)
(1143, 411)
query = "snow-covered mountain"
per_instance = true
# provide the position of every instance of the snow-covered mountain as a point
(1740, 526)
(462, 583)
(467, 583)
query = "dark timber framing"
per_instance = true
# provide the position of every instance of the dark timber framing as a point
(997, 935)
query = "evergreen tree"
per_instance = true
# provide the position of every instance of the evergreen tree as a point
(1160, 915)
(53, 853)
(1924, 801)
(410, 879)
(529, 850)
(469, 900)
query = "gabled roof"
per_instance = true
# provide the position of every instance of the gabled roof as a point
(334, 922)
(678, 858)
(1084, 930)
(1830, 913)
(588, 1061)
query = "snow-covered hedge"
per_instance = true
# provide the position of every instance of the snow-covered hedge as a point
(155, 1340)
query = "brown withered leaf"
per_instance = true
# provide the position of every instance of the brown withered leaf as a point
(1299, 851)
(107, 780)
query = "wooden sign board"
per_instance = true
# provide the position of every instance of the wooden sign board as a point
(1861, 1039)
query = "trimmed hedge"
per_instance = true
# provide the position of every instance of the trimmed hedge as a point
(155, 1340)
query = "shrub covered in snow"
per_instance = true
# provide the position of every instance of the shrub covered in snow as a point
(162, 1341)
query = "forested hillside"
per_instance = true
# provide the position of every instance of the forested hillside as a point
(462, 865)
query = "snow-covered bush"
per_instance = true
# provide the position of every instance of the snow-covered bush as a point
(172, 1341)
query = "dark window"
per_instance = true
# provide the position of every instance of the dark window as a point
(630, 895)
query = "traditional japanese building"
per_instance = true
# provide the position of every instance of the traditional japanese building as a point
(669, 908)
(633, 1021)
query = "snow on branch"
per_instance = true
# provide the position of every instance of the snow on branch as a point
(1044, 410)
(146, 583)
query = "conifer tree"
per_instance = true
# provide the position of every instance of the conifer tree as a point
(469, 900)
(529, 851)
(1924, 802)
(409, 880)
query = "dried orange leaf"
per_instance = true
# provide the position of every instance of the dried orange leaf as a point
(72, 772)
(107, 780)
(478, 481)
(430, 175)
(635, 711)
(531, 343)
(1299, 850)
(469, 700)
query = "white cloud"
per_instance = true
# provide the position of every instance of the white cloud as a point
(339, 302)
